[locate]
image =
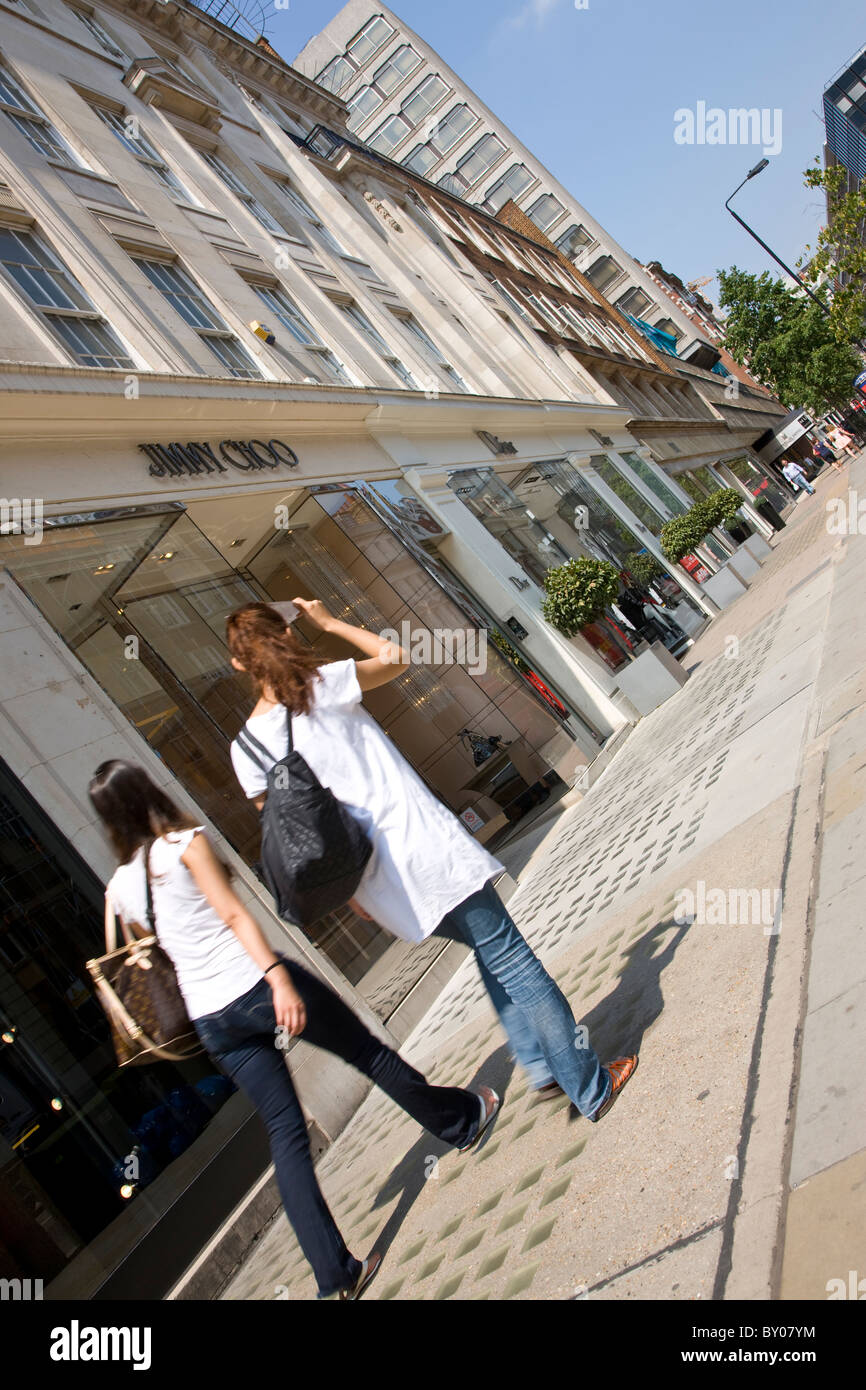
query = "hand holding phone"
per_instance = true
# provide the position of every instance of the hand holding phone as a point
(287, 611)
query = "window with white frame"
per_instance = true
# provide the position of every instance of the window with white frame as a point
(413, 110)
(127, 128)
(52, 291)
(574, 240)
(430, 351)
(511, 185)
(634, 302)
(359, 319)
(277, 300)
(240, 190)
(103, 38)
(545, 211)
(474, 164)
(339, 72)
(32, 122)
(185, 297)
(448, 132)
(402, 62)
(603, 272)
(300, 205)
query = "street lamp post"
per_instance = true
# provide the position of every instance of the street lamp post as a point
(759, 167)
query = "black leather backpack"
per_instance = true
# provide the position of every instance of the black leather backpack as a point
(314, 852)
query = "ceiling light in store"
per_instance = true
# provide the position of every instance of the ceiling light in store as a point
(56, 1103)
(166, 555)
(103, 569)
(9, 1035)
(240, 541)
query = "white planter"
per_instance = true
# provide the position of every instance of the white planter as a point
(723, 588)
(651, 678)
(743, 564)
(758, 548)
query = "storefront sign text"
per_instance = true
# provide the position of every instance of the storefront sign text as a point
(190, 460)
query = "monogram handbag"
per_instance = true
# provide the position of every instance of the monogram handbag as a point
(137, 987)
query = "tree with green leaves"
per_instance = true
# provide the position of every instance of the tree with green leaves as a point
(839, 255)
(786, 341)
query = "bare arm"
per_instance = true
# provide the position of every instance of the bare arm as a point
(212, 879)
(385, 660)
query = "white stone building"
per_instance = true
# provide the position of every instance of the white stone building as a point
(406, 102)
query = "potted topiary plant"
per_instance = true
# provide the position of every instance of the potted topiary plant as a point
(644, 567)
(578, 592)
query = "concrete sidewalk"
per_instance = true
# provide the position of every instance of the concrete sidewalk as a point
(740, 1128)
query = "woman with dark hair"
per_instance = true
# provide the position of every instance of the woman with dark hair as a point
(246, 1000)
(426, 874)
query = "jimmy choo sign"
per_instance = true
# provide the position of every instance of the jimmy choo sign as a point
(189, 460)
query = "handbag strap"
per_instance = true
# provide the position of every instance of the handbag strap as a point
(151, 918)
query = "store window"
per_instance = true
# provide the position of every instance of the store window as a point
(533, 545)
(82, 1144)
(141, 598)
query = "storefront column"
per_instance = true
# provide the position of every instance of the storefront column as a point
(683, 578)
(500, 584)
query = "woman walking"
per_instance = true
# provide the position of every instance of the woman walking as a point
(246, 1001)
(426, 875)
(842, 442)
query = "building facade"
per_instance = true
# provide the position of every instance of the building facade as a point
(406, 102)
(243, 357)
(845, 119)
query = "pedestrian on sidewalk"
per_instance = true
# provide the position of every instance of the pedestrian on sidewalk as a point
(796, 475)
(821, 454)
(842, 441)
(246, 1001)
(426, 874)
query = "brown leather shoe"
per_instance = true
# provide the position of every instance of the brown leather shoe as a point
(619, 1072)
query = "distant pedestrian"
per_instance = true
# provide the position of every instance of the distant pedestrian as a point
(842, 441)
(822, 454)
(796, 475)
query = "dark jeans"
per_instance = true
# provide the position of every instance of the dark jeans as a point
(242, 1039)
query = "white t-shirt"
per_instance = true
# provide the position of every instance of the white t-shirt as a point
(423, 863)
(212, 966)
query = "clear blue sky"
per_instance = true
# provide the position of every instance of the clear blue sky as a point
(593, 92)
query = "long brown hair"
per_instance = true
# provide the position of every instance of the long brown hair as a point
(133, 809)
(258, 638)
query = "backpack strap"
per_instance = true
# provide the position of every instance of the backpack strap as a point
(289, 731)
(248, 745)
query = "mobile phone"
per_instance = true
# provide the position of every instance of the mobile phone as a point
(287, 611)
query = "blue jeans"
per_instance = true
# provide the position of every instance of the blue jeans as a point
(242, 1039)
(532, 1008)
